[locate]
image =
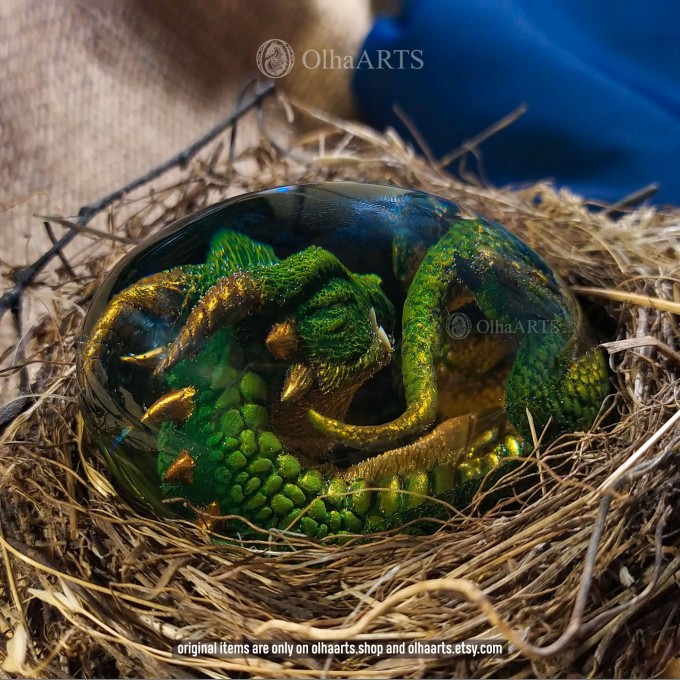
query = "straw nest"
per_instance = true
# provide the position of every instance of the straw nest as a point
(579, 572)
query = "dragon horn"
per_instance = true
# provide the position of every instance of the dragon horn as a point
(228, 302)
(161, 296)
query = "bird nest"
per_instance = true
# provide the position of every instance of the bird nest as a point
(575, 573)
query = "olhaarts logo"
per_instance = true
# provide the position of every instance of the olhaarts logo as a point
(459, 326)
(275, 59)
(380, 60)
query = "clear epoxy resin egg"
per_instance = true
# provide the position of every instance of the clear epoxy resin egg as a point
(326, 358)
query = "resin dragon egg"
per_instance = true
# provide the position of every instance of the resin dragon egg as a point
(328, 359)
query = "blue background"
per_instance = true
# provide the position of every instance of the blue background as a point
(601, 81)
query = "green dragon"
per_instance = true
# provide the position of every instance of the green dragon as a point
(270, 353)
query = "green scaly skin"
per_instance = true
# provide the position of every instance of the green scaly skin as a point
(241, 464)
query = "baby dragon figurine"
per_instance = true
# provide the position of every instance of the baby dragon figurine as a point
(226, 380)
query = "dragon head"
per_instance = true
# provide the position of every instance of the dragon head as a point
(335, 341)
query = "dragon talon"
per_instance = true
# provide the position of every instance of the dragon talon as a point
(176, 406)
(145, 359)
(181, 469)
(297, 383)
(208, 516)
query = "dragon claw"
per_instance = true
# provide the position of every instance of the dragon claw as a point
(177, 405)
(297, 383)
(145, 359)
(181, 469)
(208, 516)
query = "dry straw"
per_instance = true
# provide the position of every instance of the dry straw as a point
(578, 572)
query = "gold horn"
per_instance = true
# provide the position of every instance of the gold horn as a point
(282, 340)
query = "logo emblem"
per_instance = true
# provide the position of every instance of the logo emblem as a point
(275, 58)
(458, 326)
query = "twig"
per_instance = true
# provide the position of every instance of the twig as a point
(622, 469)
(475, 141)
(234, 127)
(81, 229)
(646, 341)
(415, 133)
(604, 617)
(631, 298)
(15, 407)
(632, 200)
(62, 257)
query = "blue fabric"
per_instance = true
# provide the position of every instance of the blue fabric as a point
(601, 80)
